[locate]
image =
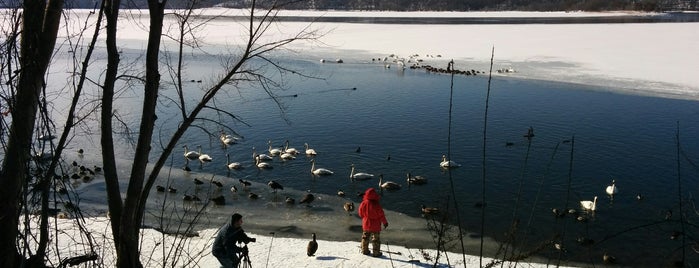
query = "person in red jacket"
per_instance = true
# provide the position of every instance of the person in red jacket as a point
(373, 217)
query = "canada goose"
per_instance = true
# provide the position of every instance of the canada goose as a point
(309, 151)
(308, 198)
(417, 180)
(190, 155)
(388, 185)
(611, 189)
(589, 205)
(244, 183)
(429, 210)
(233, 165)
(289, 150)
(275, 186)
(187, 197)
(319, 171)
(312, 246)
(219, 200)
(197, 181)
(217, 183)
(263, 165)
(448, 163)
(349, 207)
(160, 188)
(273, 151)
(360, 176)
(253, 196)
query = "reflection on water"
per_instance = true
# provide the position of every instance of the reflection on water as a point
(585, 137)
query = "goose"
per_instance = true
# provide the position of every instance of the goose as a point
(417, 180)
(190, 155)
(219, 200)
(217, 183)
(275, 186)
(204, 157)
(309, 151)
(308, 198)
(290, 200)
(312, 246)
(589, 205)
(187, 197)
(289, 150)
(227, 139)
(360, 176)
(197, 181)
(262, 165)
(262, 157)
(244, 183)
(611, 189)
(253, 196)
(233, 165)
(273, 151)
(349, 207)
(319, 171)
(388, 185)
(160, 188)
(429, 210)
(448, 163)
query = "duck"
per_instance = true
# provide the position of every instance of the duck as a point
(448, 163)
(253, 196)
(388, 185)
(275, 186)
(360, 176)
(219, 200)
(349, 207)
(429, 210)
(289, 150)
(589, 205)
(290, 200)
(309, 151)
(319, 171)
(227, 139)
(273, 151)
(217, 183)
(244, 183)
(312, 246)
(232, 165)
(262, 165)
(190, 155)
(197, 181)
(417, 180)
(204, 157)
(160, 188)
(307, 199)
(611, 189)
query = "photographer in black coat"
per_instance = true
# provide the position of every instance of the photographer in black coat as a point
(225, 247)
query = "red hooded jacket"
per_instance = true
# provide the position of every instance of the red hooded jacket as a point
(371, 212)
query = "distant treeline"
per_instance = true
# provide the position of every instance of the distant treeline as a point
(423, 5)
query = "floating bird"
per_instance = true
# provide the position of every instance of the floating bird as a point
(639, 197)
(273, 151)
(160, 188)
(309, 151)
(358, 150)
(589, 205)
(429, 210)
(557, 212)
(360, 176)
(244, 183)
(417, 180)
(275, 186)
(190, 155)
(290, 200)
(262, 165)
(349, 207)
(307, 199)
(509, 144)
(312, 246)
(608, 258)
(232, 165)
(219, 200)
(388, 185)
(261, 157)
(611, 189)
(253, 196)
(287, 156)
(289, 150)
(319, 171)
(204, 157)
(340, 193)
(448, 163)
(227, 139)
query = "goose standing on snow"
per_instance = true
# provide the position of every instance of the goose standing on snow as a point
(312, 246)
(589, 205)
(234, 165)
(448, 163)
(360, 176)
(388, 185)
(319, 171)
(309, 151)
(611, 189)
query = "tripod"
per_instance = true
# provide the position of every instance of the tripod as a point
(245, 258)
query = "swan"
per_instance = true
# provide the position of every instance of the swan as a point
(388, 185)
(262, 157)
(261, 164)
(589, 205)
(309, 151)
(204, 157)
(289, 150)
(360, 175)
(273, 151)
(227, 139)
(417, 180)
(287, 156)
(190, 155)
(611, 189)
(448, 163)
(234, 165)
(319, 171)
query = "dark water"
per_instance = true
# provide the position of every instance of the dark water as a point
(584, 138)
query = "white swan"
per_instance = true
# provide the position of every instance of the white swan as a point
(287, 156)
(234, 165)
(273, 151)
(262, 157)
(289, 150)
(611, 189)
(417, 180)
(448, 163)
(263, 165)
(319, 171)
(190, 155)
(388, 185)
(360, 176)
(204, 157)
(227, 139)
(589, 205)
(309, 151)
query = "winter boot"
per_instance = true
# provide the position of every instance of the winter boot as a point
(376, 245)
(365, 243)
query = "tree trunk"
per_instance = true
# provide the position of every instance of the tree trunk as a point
(39, 28)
